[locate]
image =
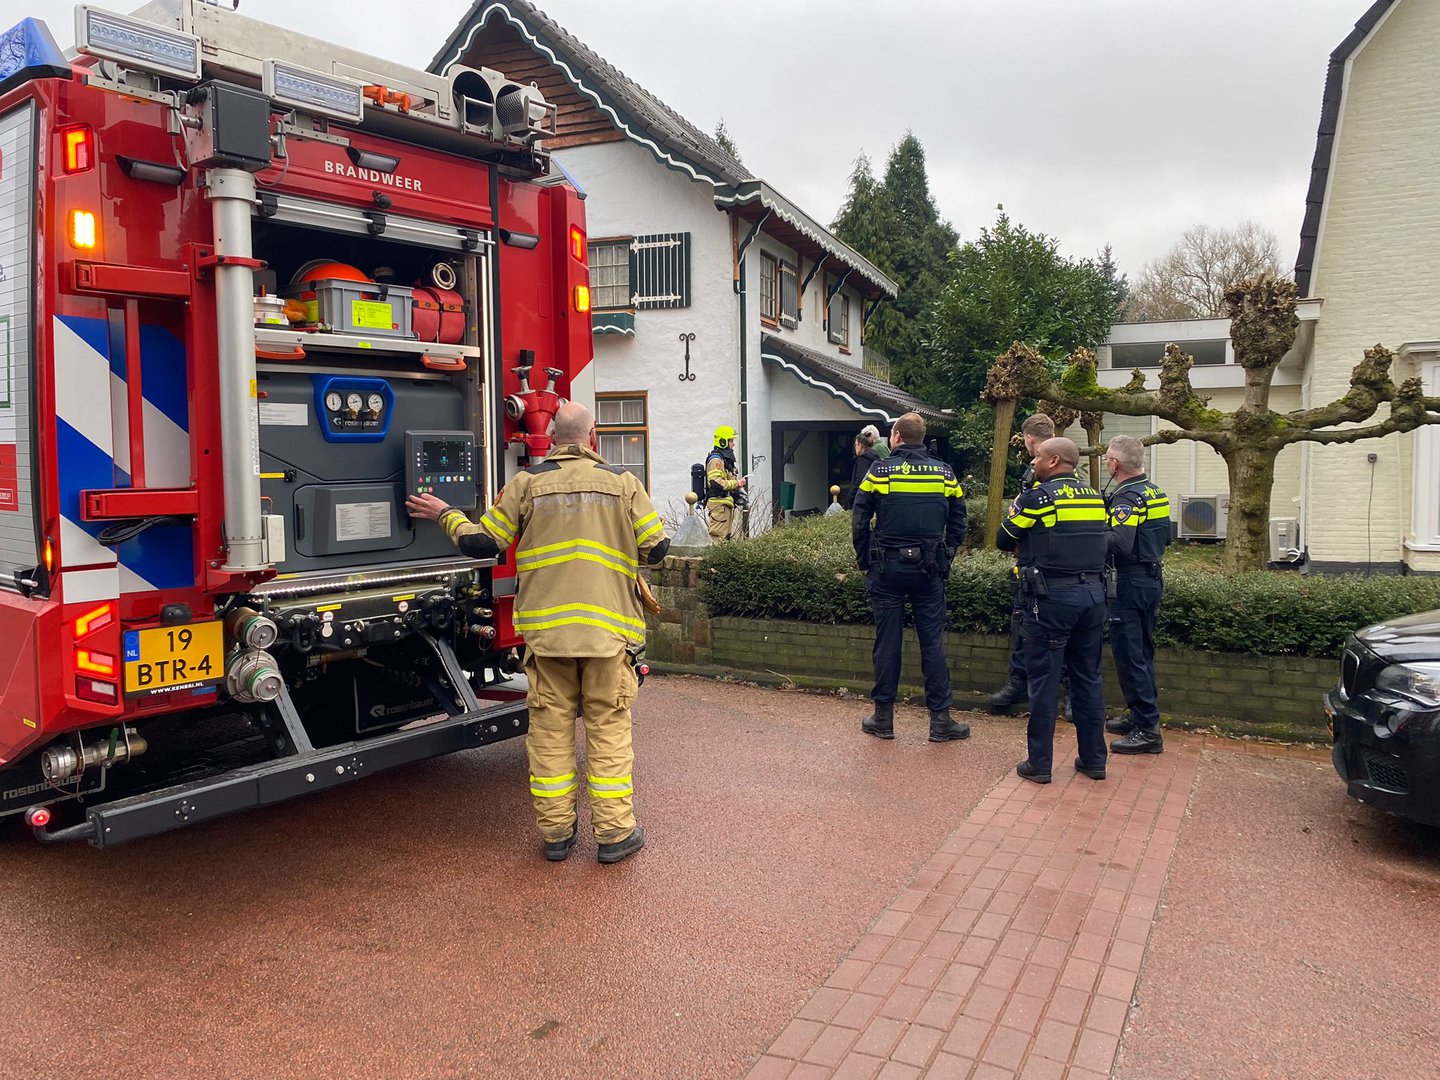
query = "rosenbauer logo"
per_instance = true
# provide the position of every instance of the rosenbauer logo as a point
(372, 176)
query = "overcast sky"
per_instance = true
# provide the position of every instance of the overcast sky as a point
(1093, 120)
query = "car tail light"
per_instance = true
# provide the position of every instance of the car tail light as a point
(577, 244)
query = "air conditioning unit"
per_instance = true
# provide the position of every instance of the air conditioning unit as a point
(1285, 540)
(1203, 517)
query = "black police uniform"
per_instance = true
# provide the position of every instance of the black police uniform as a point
(1060, 531)
(919, 513)
(1139, 515)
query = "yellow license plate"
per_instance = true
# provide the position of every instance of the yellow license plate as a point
(174, 658)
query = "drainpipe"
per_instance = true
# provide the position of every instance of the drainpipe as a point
(743, 290)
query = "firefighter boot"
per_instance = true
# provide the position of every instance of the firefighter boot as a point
(881, 722)
(943, 729)
(559, 850)
(1013, 693)
(613, 853)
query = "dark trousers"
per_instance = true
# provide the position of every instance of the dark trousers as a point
(1063, 636)
(891, 584)
(1132, 641)
(1017, 640)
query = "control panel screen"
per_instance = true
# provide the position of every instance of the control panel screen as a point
(441, 463)
(442, 456)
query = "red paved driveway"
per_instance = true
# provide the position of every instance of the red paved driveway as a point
(811, 903)
(406, 926)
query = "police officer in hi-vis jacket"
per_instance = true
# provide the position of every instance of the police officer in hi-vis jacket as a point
(1060, 533)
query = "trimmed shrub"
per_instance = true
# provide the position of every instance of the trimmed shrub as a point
(806, 570)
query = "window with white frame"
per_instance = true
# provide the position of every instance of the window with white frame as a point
(609, 274)
(837, 320)
(1425, 492)
(621, 422)
(769, 288)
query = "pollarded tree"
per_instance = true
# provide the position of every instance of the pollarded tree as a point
(1262, 328)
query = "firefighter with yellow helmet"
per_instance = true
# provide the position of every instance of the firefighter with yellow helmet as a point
(582, 528)
(722, 482)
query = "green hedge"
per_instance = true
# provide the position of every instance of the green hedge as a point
(806, 570)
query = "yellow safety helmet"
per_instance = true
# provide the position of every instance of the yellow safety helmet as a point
(724, 433)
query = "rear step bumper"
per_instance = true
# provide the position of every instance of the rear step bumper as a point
(287, 778)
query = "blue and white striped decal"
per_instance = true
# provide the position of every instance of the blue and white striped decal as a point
(93, 448)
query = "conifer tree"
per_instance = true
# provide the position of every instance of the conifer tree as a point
(894, 223)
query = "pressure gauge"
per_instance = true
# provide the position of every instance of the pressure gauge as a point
(333, 401)
(353, 402)
(375, 403)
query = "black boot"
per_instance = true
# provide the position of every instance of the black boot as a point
(1139, 741)
(1120, 725)
(943, 729)
(881, 722)
(613, 853)
(559, 850)
(1013, 693)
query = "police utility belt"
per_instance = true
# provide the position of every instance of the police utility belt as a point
(1138, 569)
(928, 555)
(1038, 584)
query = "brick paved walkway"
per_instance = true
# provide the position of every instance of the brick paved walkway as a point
(1015, 950)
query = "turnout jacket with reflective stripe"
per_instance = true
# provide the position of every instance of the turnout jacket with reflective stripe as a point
(1060, 526)
(913, 498)
(580, 528)
(1139, 523)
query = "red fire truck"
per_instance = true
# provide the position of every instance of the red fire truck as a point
(254, 288)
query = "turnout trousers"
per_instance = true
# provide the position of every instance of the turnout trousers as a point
(891, 584)
(601, 689)
(1063, 636)
(1132, 642)
(720, 518)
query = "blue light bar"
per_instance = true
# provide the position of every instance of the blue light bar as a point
(137, 43)
(312, 92)
(27, 51)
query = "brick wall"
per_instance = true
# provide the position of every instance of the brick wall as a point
(1263, 695)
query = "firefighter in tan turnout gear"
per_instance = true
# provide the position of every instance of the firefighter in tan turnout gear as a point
(581, 528)
(723, 483)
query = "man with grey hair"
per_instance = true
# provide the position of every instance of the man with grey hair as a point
(582, 528)
(1059, 533)
(1139, 520)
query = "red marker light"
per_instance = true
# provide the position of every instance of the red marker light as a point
(38, 817)
(93, 620)
(79, 147)
(577, 244)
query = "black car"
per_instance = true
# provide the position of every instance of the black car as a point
(1385, 717)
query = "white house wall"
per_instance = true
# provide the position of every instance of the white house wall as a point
(1378, 269)
(628, 194)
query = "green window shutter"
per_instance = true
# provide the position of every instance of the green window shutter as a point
(660, 270)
